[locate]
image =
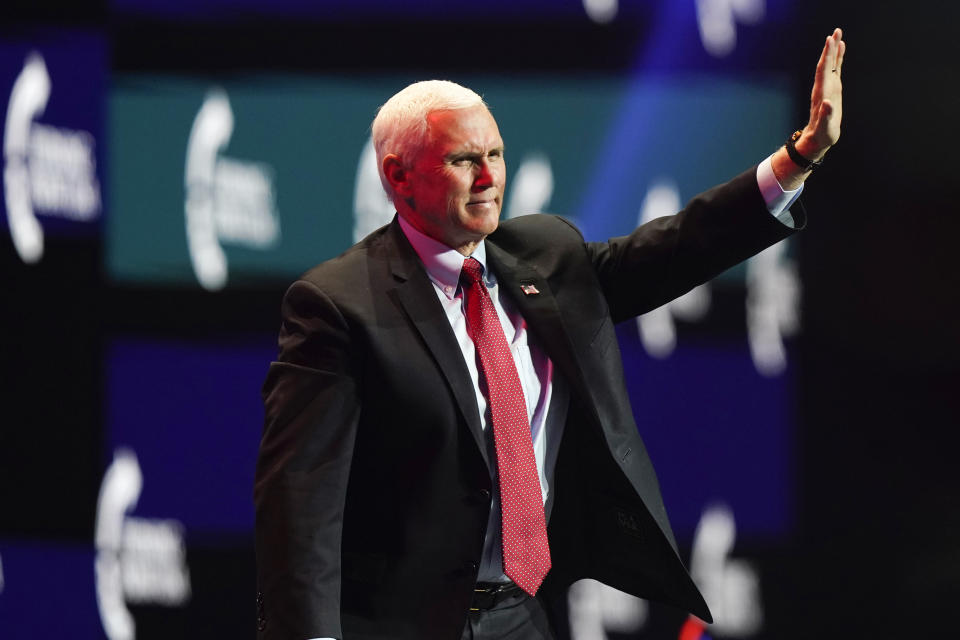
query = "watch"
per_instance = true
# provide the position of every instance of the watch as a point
(799, 160)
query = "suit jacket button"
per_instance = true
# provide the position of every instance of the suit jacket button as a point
(484, 495)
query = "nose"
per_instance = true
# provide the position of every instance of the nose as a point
(483, 175)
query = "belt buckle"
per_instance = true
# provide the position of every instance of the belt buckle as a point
(486, 597)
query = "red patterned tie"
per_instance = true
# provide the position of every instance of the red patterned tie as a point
(526, 554)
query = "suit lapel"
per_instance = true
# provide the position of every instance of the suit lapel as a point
(418, 298)
(535, 300)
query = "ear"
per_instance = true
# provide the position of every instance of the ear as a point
(396, 175)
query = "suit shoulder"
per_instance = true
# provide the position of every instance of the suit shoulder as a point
(350, 271)
(537, 229)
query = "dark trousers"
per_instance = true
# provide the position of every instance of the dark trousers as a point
(519, 617)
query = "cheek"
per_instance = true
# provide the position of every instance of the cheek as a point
(500, 175)
(455, 184)
(460, 188)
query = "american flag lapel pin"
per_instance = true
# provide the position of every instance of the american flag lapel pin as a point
(529, 289)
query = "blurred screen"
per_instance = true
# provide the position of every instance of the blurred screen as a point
(190, 413)
(52, 88)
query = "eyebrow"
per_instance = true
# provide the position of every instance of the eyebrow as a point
(457, 155)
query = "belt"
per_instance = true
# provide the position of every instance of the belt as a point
(487, 595)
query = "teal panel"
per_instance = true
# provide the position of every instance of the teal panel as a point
(606, 139)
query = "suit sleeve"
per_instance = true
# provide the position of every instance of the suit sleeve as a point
(668, 256)
(312, 410)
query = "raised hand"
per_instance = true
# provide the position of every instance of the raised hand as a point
(826, 100)
(826, 112)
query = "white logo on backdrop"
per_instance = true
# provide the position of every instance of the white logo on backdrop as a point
(596, 608)
(532, 186)
(138, 560)
(731, 587)
(773, 299)
(717, 22)
(601, 11)
(227, 200)
(371, 207)
(658, 332)
(773, 293)
(47, 170)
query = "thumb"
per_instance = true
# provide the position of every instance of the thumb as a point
(826, 110)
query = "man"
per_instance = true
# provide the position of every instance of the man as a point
(448, 440)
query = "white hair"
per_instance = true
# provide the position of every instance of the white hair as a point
(401, 123)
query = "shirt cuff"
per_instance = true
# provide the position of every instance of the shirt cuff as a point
(778, 201)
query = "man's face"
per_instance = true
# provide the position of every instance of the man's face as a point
(456, 182)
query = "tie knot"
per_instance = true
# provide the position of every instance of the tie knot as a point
(473, 270)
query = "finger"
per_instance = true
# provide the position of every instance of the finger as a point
(840, 52)
(833, 49)
(837, 37)
(822, 62)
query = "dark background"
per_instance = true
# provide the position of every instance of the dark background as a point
(877, 543)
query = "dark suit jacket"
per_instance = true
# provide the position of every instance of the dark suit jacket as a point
(372, 485)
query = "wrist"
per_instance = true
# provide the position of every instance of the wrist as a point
(789, 176)
(792, 166)
(801, 161)
(807, 147)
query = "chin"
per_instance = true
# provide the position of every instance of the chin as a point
(481, 224)
(488, 227)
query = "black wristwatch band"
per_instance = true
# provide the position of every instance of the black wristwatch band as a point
(799, 160)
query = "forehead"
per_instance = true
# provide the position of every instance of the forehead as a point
(471, 128)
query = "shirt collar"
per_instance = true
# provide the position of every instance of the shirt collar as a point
(442, 263)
